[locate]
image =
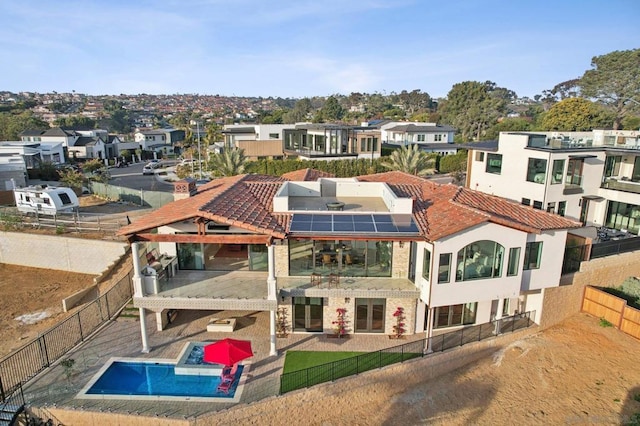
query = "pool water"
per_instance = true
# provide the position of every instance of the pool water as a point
(157, 379)
(196, 356)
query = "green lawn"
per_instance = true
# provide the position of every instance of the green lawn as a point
(299, 360)
(308, 368)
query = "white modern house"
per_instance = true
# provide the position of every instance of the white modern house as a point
(430, 137)
(448, 256)
(159, 140)
(593, 177)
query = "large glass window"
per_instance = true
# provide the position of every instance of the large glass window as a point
(562, 208)
(574, 172)
(448, 316)
(532, 255)
(190, 256)
(623, 216)
(444, 268)
(612, 166)
(426, 266)
(537, 169)
(354, 258)
(557, 172)
(635, 176)
(478, 260)
(514, 261)
(494, 163)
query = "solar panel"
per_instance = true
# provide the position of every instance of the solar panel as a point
(353, 223)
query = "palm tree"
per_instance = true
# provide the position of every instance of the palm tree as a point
(410, 159)
(230, 162)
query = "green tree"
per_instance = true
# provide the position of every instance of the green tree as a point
(576, 114)
(508, 125)
(614, 82)
(299, 113)
(332, 110)
(472, 109)
(230, 162)
(410, 159)
(71, 178)
(76, 122)
(12, 124)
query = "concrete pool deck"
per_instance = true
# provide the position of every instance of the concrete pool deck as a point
(58, 386)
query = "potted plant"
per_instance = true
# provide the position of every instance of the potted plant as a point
(281, 323)
(340, 323)
(399, 328)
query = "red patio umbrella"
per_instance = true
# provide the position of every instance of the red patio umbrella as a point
(227, 351)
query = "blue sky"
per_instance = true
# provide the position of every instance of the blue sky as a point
(305, 47)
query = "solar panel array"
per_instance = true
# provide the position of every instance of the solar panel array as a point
(353, 223)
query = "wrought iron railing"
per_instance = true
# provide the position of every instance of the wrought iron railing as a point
(26, 362)
(355, 365)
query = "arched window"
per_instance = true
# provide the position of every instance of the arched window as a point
(480, 260)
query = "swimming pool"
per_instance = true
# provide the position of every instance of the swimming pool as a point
(157, 380)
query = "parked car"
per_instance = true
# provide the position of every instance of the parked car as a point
(150, 168)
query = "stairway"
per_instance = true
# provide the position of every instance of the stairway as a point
(9, 413)
(129, 313)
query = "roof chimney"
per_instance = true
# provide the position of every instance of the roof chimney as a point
(184, 188)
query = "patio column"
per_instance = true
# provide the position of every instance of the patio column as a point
(272, 333)
(498, 316)
(137, 277)
(428, 348)
(271, 279)
(143, 331)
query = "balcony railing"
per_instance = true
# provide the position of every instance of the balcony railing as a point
(621, 185)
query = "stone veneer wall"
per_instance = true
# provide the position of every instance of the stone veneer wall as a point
(281, 254)
(566, 300)
(400, 260)
(60, 253)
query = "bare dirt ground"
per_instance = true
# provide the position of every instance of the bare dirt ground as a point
(37, 293)
(574, 373)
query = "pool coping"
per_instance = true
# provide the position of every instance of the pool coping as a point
(84, 395)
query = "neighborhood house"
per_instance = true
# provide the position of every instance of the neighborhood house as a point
(362, 248)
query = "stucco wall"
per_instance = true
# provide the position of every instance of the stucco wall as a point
(60, 253)
(561, 302)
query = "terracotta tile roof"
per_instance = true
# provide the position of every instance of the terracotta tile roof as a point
(511, 213)
(303, 175)
(442, 210)
(244, 201)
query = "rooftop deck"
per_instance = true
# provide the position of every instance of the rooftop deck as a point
(352, 204)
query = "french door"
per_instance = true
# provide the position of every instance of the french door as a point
(370, 315)
(307, 313)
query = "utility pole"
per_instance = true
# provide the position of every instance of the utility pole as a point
(199, 153)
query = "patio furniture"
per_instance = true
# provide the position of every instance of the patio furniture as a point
(334, 279)
(221, 325)
(229, 372)
(316, 279)
(327, 259)
(225, 385)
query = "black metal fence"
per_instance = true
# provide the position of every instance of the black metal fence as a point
(355, 365)
(609, 248)
(574, 255)
(23, 364)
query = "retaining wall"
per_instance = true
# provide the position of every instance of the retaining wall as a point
(561, 302)
(60, 253)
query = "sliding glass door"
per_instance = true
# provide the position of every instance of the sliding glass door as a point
(370, 315)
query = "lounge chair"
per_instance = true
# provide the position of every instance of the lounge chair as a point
(227, 379)
(229, 372)
(225, 385)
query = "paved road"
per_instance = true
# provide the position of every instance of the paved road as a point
(132, 177)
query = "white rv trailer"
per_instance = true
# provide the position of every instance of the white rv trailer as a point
(48, 200)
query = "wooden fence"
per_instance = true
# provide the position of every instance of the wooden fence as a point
(613, 309)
